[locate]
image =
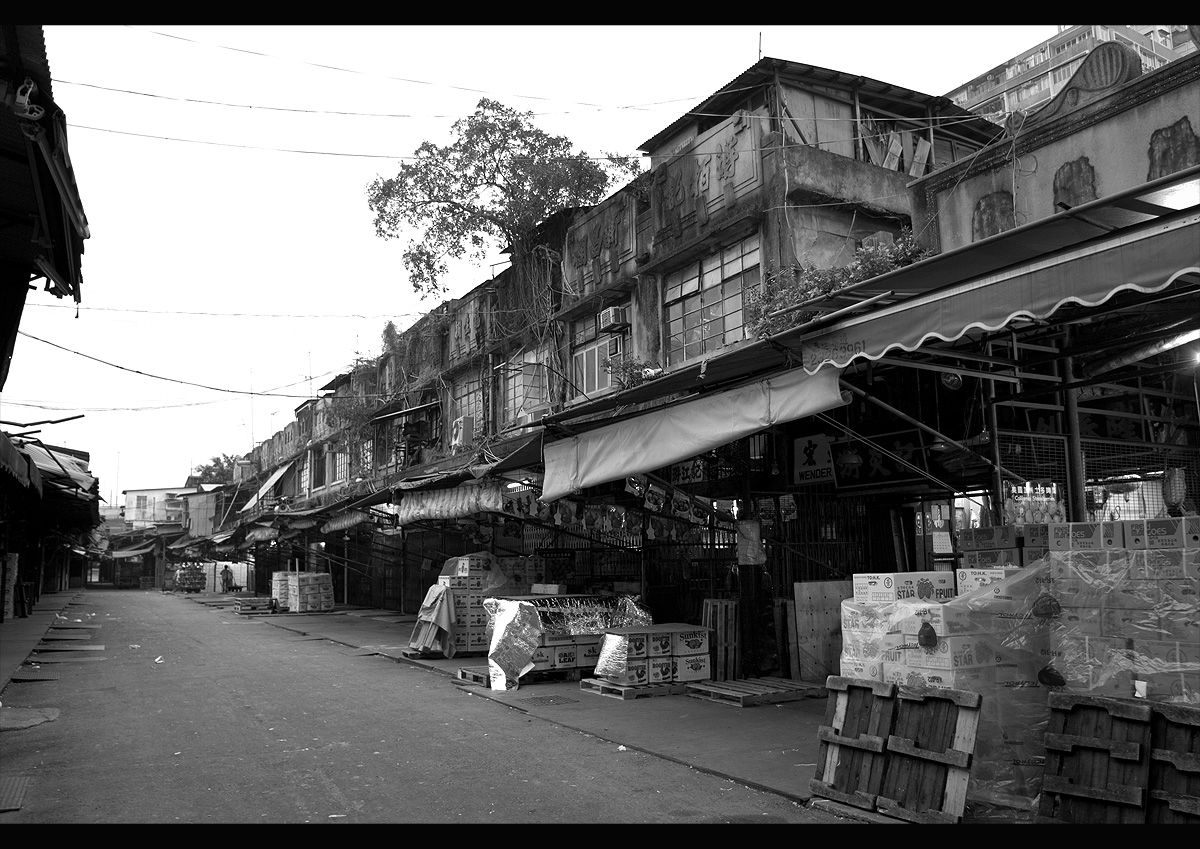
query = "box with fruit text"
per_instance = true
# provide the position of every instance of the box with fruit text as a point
(903, 586)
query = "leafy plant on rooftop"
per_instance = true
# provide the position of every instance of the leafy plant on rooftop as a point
(804, 281)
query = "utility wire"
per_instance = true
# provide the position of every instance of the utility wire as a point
(160, 377)
(345, 70)
(390, 317)
(262, 108)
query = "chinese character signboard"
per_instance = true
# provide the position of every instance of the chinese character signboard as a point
(887, 459)
(814, 460)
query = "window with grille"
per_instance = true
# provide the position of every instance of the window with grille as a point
(341, 465)
(590, 349)
(703, 301)
(317, 467)
(523, 387)
(466, 398)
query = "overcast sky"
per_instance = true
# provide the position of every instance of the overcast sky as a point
(232, 250)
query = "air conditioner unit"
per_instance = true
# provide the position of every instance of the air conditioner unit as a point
(462, 431)
(612, 318)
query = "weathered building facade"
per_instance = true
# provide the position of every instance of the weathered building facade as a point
(640, 407)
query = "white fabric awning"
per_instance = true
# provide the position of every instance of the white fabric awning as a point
(266, 487)
(671, 434)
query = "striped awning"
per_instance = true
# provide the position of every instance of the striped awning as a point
(346, 520)
(261, 534)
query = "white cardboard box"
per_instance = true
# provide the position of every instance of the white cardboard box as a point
(903, 586)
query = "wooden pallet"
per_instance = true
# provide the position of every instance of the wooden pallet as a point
(481, 675)
(747, 692)
(1174, 764)
(1097, 766)
(626, 692)
(721, 615)
(850, 760)
(901, 751)
(928, 755)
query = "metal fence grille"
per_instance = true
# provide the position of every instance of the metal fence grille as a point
(1124, 478)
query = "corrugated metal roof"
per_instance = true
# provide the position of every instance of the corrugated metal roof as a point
(872, 93)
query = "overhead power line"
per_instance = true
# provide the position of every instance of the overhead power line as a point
(263, 108)
(351, 70)
(159, 376)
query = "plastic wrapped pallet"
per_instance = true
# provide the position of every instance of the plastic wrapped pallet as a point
(1114, 623)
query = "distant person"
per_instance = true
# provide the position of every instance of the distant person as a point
(226, 579)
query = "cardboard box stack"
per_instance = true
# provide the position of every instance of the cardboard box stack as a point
(1130, 608)
(309, 592)
(279, 588)
(655, 654)
(466, 577)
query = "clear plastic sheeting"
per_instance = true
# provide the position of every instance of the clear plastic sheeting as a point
(1117, 623)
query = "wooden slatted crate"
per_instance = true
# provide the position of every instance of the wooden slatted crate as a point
(721, 615)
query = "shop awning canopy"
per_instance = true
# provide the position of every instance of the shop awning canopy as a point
(459, 502)
(1147, 258)
(389, 412)
(266, 487)
(667, 435)
(345, 521)
(132, 551)
(58, 465)
(185, 541)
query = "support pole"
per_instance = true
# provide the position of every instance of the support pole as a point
(1076, 479)
(997, 477)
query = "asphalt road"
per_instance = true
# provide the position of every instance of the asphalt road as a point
(199, 715)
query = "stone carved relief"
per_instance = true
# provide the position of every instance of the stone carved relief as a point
(577, 247)
(1074, 184)
(1172, 149)
(1109, 66)
(993, 214)
(668, 200)
(700, 189)
(727, 157)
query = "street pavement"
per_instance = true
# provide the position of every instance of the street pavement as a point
(768, 747)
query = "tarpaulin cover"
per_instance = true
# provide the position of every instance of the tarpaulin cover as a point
(438, 611)
(670, 434)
